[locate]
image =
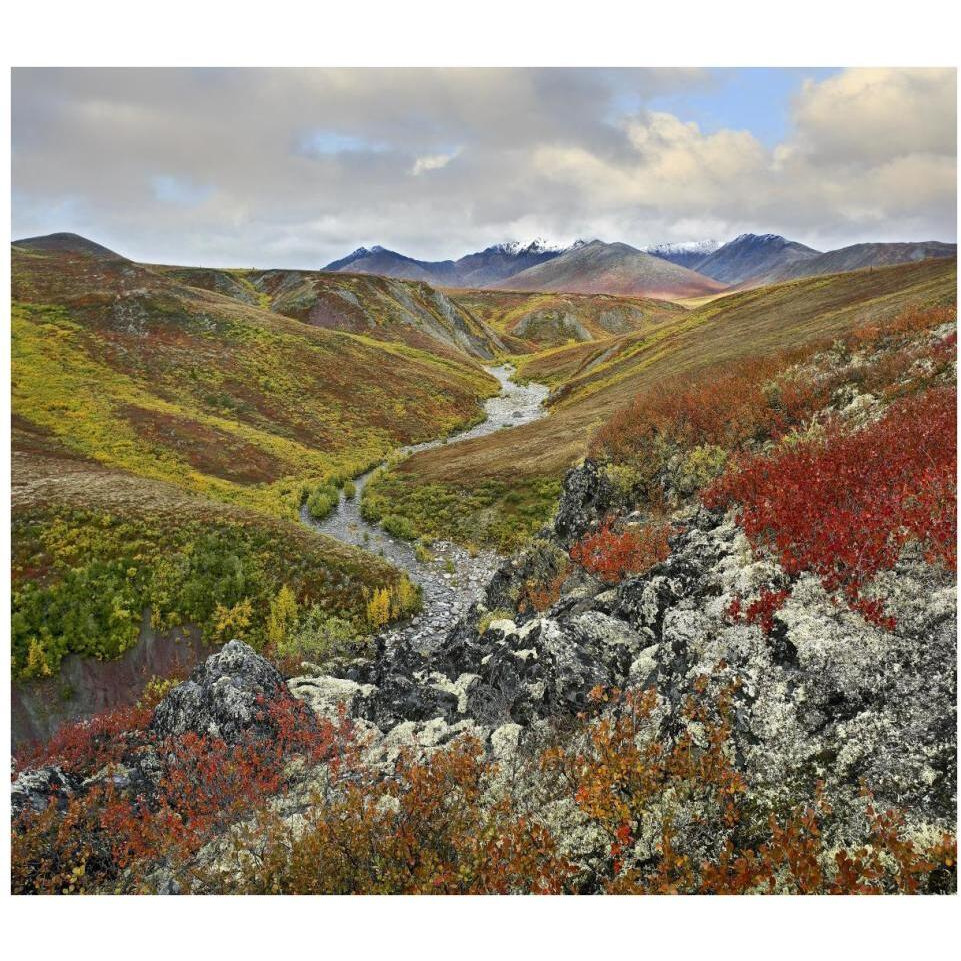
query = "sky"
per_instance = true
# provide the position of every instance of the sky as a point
(297, 167)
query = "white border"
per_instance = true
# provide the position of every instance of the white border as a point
(490, 33)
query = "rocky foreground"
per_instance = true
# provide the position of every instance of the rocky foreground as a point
(823, 703)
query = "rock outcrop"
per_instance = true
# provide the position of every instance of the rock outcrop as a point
(223, 697)
(825, 697)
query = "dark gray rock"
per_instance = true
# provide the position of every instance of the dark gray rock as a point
(586, 497)
(37, 789)
(224, 697)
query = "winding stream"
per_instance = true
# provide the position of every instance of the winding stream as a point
(453, 580)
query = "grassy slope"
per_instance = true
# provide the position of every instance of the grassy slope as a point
(533, 322)
(383, 308)
(594, 380)
(93, 547)
(139, 372)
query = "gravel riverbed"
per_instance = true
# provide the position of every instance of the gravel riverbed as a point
(453, 579)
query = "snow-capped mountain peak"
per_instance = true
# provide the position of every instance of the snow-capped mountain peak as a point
(703, 247)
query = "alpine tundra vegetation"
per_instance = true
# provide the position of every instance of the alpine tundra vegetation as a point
(564, 566)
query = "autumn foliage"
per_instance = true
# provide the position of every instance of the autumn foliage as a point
(427, 829)
(613, 555)
(666, 815)
(198, 786)
(844, 507)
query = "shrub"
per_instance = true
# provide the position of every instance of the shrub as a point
(398, 526)
(322, 501)
(637, 791)
(200, 787)
(422, 552)
(320, 637)
(94, 742)
(282, 616)
(844, 507)
(612, 555)
(425, 830)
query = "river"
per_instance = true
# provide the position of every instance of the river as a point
(453, 579)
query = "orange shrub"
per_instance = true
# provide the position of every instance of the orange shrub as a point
(612, 555)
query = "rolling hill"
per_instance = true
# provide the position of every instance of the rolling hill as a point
(529, 322)
(600, 268)
(593, 380)
(860, 256)
(69, 244)
(136, 370)
(384, 308)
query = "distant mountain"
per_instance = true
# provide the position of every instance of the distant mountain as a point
(688, 254)
(859, 256)
(388, 263)
(479, 269)
(752, 256)
(504, 260)
(68, 243)
(600, 268)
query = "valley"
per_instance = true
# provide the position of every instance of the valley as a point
(451, 578)
(416, 525)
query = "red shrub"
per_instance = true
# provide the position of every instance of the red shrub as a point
(761, 610)
(844, 507)
(207, 784)
(86, 745)
(612, 556)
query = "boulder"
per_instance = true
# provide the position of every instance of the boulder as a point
(224, 697)
(38, 788)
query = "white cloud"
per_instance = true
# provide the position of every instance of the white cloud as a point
(870, 154)
(432, 162)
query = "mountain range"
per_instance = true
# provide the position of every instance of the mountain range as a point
(664, 271)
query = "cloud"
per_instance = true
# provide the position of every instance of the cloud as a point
(432, 162)
(870, 116)
(296, 167)
(178, 190)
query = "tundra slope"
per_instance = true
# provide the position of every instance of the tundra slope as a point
(591, 381)
(824, 698)
(832, 701)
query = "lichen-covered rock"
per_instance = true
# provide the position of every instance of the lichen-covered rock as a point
(38, 788)
(224, 697)
(327, 696)
(586, 497)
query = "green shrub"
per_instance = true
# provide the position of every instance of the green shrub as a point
(323, 499)
(422, 552)
(398, 526)
(699, 467)
(320, 637)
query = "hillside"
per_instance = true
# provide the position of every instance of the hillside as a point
(68, 244)
(101, 554)
(752, 256)
(129, 367)
(530, 322)
(600, 268)
(860, 256)
(384, 308)
(591, 381)
(710, 673)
